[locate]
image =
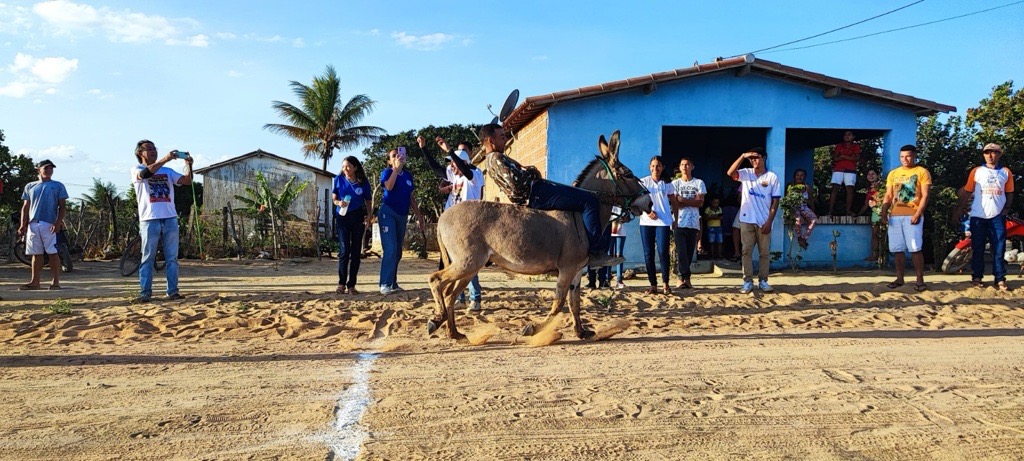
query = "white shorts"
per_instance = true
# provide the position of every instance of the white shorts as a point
(904, 236)
(40, 239)
(841, 178)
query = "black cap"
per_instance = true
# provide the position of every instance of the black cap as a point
(45, 163)
(759, 151)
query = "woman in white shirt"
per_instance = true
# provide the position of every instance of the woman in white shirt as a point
(689, 198)
(656, 226)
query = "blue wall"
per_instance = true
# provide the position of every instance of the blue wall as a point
(723, 100)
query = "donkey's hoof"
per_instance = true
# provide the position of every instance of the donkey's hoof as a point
(529, 330)
(432, 326)
(458, 337)
(586, 334)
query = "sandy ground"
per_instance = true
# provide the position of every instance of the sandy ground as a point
(261, 358)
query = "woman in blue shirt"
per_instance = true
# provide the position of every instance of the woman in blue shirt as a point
(351, 193)
(393, 217)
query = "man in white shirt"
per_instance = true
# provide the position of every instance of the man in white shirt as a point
(158, 218)
(991, 185)
(759, 200)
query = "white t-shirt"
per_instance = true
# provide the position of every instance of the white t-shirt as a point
(756, 195)
(155, 194)
(472, 189)
(449, 174)
(660, 190)
(993, 184)
(689, 217)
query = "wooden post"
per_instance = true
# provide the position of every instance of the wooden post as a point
(224, 226)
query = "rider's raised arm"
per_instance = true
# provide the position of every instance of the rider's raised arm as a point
(432, 162)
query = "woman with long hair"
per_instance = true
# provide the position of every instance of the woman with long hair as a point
(351, 195)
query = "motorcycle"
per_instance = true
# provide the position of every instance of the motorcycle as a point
(961, 254)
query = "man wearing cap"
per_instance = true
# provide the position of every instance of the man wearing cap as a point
(42, 216)
(992, 187)
(158, 218)
(466, 182)
(759, 201)
(906, 195)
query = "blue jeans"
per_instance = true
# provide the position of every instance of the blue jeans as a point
(152, 232)
(474, 290)
(600, 276)
(350, 243)
(994, 230)
(651, 237)
(618, 245)
(546, 195)
(392, 236)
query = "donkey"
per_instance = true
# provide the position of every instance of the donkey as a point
(529, 241)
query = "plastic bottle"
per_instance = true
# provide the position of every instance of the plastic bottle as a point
(344, 209)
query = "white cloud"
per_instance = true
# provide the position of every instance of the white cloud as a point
(234, 74)
(298, 43)
(95, 91)
(64, 17)
(51, 91)
(50, 70)
(225, 35)
(14, 19)
(423, 42)
(18, 89)
(57, 154)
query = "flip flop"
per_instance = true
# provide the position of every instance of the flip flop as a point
(341, 290)
(652, 291)
(977, 283)
(920, 287)
(1002, 286)
(894, 285)
(30, 287)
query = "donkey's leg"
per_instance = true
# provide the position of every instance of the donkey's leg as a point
(574, 307)
(563, 286)
(454, 288)
(437, 283)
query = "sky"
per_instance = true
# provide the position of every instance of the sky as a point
(82, 82)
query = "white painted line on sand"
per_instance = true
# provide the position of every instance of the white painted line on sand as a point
(348, 434)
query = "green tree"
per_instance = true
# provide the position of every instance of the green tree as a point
(320, 122)
(15, 172)
(104, 198)
(261, 201)
(429, 198)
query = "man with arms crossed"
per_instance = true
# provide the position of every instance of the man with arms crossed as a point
(42, 216)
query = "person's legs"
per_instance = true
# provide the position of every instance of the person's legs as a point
(36, 248)
(832, 196)
(475, 294)
(55, 270)
(389, 247)
(149, 232)
(999, 248)
(981, 230)
(647, 239)
(849, 200)
(619, 244)
(898, 245)
(686, 245)
(170, 236)
(748, 233)
(900, 261)
(764, 247)
(546, 195)
(914, 237)
(664, 235)
(737, 247)
(355, 231)
(343, 249)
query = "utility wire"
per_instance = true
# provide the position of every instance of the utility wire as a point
(836, 29)
(897, 29)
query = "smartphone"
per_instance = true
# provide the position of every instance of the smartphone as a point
(401, 151)
(180, 153)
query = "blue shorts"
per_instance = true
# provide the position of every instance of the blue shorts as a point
(714, 235)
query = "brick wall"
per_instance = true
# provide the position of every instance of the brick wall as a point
(529, 148)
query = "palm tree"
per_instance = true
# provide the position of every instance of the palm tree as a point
(104, 198)
(261, 199)
(321, 124)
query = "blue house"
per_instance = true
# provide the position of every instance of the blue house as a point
(712, 113)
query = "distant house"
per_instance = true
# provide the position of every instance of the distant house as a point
(711, 113)
(224, 180)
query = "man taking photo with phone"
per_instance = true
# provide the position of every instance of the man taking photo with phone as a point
(158, 219)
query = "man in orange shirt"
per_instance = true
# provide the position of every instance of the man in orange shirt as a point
(844, 171)
(992, 187)
(906, 195)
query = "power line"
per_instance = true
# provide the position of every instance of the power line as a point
(898, 29)
(837, 29)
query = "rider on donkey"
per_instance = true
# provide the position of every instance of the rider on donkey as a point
(524, 186)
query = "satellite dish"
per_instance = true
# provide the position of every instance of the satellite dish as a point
(509, 106)
(494, 121)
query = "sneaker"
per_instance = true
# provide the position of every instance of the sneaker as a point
(620, 286)
(140, 300)
(474, 306)
(590, 285)
(764, 286)
(604, 260)
(396, 288)
(604, 285)
(747, 288)
(174, 296)
(385, 290)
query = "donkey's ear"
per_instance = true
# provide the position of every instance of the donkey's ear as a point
(602, 146)
(613, 147)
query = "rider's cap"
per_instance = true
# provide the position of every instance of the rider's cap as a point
(992, 147)
(45, 163)
(463, 155)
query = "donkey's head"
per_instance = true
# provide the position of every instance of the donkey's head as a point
(614, 183)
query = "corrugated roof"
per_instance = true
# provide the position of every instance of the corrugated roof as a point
(534, 105)
(263, 153)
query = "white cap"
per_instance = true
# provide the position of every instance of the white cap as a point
(463, 155)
